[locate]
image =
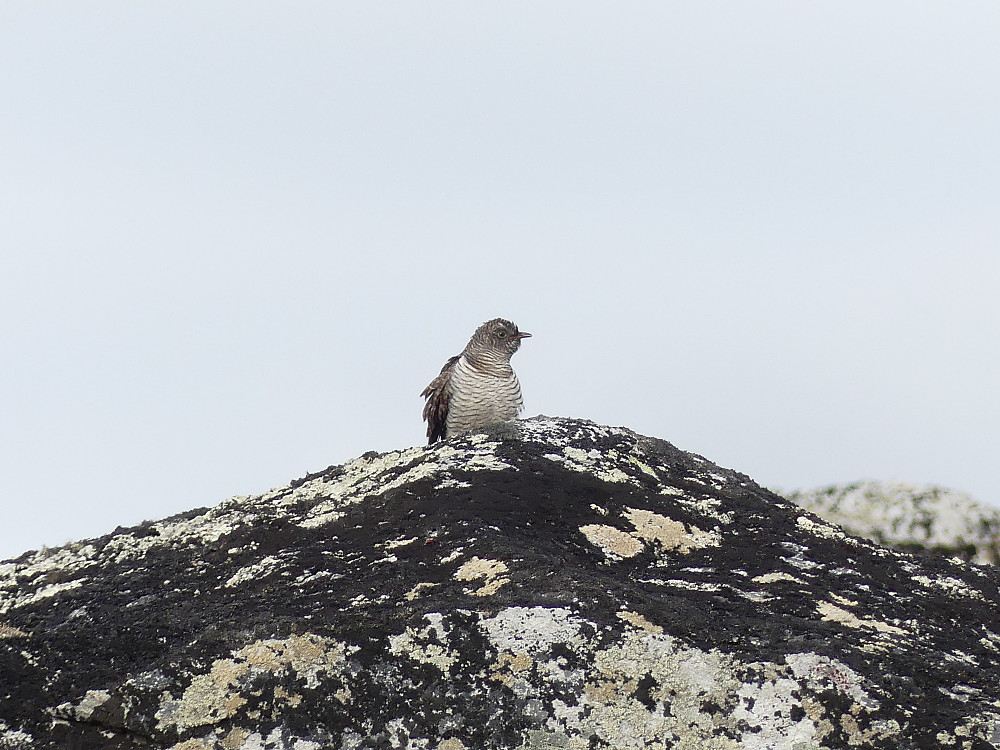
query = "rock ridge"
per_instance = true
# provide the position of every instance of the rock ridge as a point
(551, 584)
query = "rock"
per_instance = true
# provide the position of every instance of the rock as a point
(559, 585)
(918, 519)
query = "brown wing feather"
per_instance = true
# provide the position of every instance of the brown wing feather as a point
(438, 398)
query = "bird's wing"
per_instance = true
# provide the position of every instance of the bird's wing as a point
(438, 398)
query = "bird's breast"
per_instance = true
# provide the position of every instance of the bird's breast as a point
(479, 398)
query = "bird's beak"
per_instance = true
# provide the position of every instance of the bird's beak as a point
(523, 335)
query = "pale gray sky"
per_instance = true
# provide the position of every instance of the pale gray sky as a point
(240, 237)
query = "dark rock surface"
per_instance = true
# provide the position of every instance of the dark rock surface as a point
(563, 585)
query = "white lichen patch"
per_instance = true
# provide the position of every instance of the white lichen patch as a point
(204, 529)
(758, 597)
(260, 569)
(670, 535)
(216, 696)
(400, 542)
(775, 577)
(614, 543)
(34, 571)
(241, 738)
(15, 738)
(832, 613)
(800, 559)
(952, 586)
(680, 583)
(372, 476)
(484, 459)
(960, 656)
(720, 480)
(604, 466)
(672, 491)
(449, 483)
(319, 519)
(767, 708)
(427, 645)
(24, 598)
(556, 432)
(991, 641)
(490, 571)
(819, 672)
(823, 529)
(360, 479)
(532, 630)
(704, 504)
(308, 576)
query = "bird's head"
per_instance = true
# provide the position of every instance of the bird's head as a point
(500, 335)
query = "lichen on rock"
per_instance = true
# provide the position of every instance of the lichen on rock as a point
(558, 584)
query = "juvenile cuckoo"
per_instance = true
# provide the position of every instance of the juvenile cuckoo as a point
(478, 386)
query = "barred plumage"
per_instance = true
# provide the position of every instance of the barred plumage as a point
(477, 387)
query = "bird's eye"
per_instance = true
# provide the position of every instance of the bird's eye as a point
(502, 334)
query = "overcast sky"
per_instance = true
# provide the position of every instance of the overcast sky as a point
(239, 238)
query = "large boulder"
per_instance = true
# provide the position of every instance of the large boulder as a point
(549, 584)
(914, 518)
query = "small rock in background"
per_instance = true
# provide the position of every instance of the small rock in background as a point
(912, 518)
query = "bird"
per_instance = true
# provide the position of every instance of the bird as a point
(477, 387)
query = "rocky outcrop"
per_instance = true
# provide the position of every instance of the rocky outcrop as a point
(557, 584)
(913, 518)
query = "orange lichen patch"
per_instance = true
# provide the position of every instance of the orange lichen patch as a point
(491, 571)
(615, 543)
